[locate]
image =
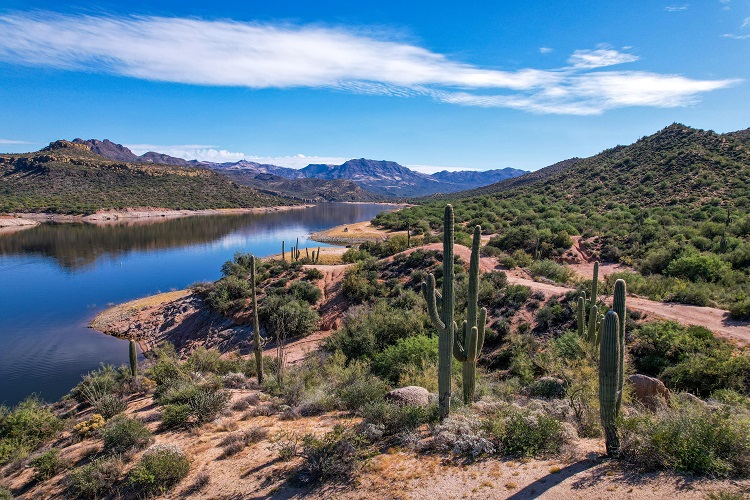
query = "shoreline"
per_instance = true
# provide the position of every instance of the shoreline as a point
(113, 216)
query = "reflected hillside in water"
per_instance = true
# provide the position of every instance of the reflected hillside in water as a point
(75, 246)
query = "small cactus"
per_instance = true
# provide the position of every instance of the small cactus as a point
(618, 306)
(133, 359)
(609, 380)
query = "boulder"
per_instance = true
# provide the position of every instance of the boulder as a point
(410, 395)
(650, 392)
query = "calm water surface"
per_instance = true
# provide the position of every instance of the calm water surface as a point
(55, 278)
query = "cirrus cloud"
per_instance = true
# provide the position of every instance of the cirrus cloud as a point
(254, 55)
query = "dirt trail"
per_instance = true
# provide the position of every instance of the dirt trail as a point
(716, 320)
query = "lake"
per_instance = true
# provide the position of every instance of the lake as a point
(55, 278)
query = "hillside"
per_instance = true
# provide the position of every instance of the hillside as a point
(673, 206)
(318, 190)
(66, 177)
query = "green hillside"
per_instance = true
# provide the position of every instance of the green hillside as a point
(674, 205)
(69, 178)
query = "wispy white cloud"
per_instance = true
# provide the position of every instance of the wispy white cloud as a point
(228, 53)
(545, 50)
(298, 161)
(746, 23)
(202, 152)
(599, 58)
(676, 8)
(12, 141)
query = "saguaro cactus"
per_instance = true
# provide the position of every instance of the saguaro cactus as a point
(443, 321)
(283, 254)
(609, 380)
(593, 313)
(408, 235)
(618, 306)
(256, 324)
(133, 359)
(469, 340)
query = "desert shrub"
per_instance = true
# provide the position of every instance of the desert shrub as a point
(166, 366)
(238, 441)
(47, 464)
(355, 255)
(313, 273)
(698, 267)
(90, 426)
(204, 360)
(336, 455)
(239, 266)
(368, 330)
(95, 478)
(25, 427)
(360, 282)
(6, 494)
(227, 293)
(175, 416)
(360, 391)
(524, 433)
(552, 314)
(305, 291)
(462, 435)
(394, 418)
(208, 403)
(406, 352)
(160, 468)
(740, 309)
(690, 358)
(290, 318)
(551, 270)
(123, 434)
(109, 405)
(97, 384)
(688, 438)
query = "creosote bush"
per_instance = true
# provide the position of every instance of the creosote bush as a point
(25, 427)
(161, 467)
(47, 464)
(91, 480)
(123, 434)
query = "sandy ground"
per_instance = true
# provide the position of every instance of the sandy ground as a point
(110, 216)
(9, 224)
(352, 234)
(257, 471)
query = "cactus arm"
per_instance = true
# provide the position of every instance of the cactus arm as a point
(618, 306)
(595, 282)
(460, 351)
(581, 315)
(428, 289)
(609, 376)
(593, 317)
(480, 330)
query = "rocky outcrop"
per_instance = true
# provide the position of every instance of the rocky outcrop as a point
(409, 395)
(650, 392)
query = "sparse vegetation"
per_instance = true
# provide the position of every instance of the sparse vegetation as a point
(160, 468)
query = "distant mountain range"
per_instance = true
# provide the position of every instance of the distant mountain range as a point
(378, 179)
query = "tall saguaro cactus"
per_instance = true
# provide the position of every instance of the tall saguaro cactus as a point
(618, 306)
(469, 340)
(133, 359)
(582, 315)
(408, 235)
(593, 313)
(283, 254)
(609, 380)
(256, 324)
(443, 321)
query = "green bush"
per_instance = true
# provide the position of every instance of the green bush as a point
(123, 434)
(740, 310)
(688, 438)
(175, 416)
(96, 384)
(336, 455)
(109, 405)
(6, 494)
(698, 267)
(208, 403)
(551, 270)
(313, 274)
(227, 293)
(166, 366)
(288, 317)
(360, 282)
(47, 464)
(161, 467)
(92, 480)
(405, 353)
(523, 433)
(24, 428)
(305, 291)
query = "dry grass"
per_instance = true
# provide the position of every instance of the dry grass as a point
(119, 312)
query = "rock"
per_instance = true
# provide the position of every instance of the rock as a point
(650, 392)
(410, 395)
(686, 397)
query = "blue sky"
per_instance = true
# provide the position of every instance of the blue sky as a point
(435, 84)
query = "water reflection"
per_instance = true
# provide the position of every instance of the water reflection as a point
(55, 277)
